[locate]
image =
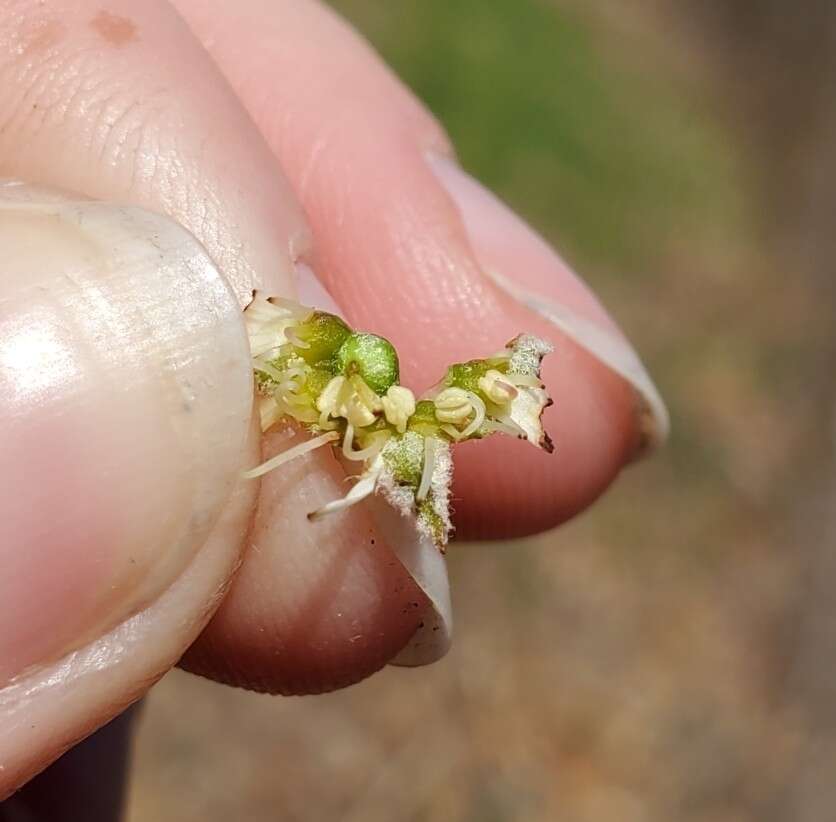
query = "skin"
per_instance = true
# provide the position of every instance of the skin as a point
(238, 142)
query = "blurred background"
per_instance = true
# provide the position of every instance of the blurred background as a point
(671, 654)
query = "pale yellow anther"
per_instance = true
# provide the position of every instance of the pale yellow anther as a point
(349, 398)
(364, 394)
(398, 406)
(453, 405)
(495, 386)
(327, 401)
(357, 413)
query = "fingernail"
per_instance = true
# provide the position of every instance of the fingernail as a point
(526, 268)
(125, 396)
(427, 566)
(312, 292)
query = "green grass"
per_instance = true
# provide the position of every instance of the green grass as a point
(607, 161)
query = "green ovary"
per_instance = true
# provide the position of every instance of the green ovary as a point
(372, 357)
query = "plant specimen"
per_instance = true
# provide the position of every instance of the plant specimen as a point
(343, 386)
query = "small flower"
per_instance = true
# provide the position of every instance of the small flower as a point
(398, 407)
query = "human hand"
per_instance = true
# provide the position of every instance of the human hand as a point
(123, 518)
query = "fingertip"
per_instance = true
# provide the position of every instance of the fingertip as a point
(317, 605)
(115, 328)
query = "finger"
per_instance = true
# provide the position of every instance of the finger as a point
(125, 105)
(291, 621)
(413, 256)
(119, 461)
(121, 103)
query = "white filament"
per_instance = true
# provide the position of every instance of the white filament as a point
(370, 451)
(479, 415)
(348, 440)
(291, 454)
(364, 488)
(430, 448)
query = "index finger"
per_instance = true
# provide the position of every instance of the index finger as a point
(410, 246)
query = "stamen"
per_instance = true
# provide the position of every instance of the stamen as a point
(452, 405)
(378, 441)
(364, 488)
(356, 412)
(348, 440)
(325, 423)
(479, 410)
(398, 406)
(430, 449)
(290, 454)
(329, 395)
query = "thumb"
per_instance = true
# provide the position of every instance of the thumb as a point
(125, 403)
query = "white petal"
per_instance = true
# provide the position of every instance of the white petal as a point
(527, 410)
